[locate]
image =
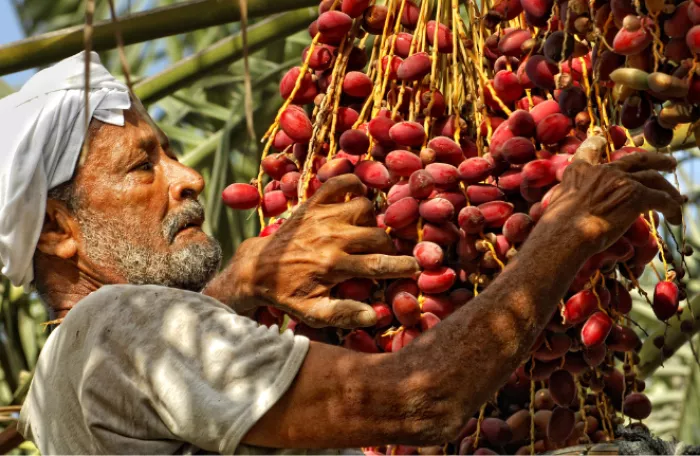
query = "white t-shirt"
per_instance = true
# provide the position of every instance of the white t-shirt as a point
(144, 369)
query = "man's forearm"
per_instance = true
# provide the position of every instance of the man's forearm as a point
(471, 354)
(422, 394)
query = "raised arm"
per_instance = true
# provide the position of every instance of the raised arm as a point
(424, 394)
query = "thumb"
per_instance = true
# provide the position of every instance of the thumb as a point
(340, 313)
(592, 149)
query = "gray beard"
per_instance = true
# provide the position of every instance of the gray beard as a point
(189, 268)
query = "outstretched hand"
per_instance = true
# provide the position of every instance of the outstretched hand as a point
(601, 202)
(326, 241)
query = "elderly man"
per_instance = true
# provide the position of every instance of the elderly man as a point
(144, 361)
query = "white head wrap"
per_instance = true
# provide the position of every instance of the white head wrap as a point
(42, 128)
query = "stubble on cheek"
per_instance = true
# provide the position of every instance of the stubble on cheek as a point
(123, 246)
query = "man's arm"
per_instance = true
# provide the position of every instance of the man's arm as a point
(424, 394)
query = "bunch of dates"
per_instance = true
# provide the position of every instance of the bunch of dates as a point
(461, 131)
(642, 54)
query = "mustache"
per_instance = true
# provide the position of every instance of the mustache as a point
(191, 213)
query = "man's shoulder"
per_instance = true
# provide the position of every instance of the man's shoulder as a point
(143, 294)
(112, 302)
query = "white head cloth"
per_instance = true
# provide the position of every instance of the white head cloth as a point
(42, 128)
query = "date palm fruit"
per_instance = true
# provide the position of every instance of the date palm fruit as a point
(461, 163)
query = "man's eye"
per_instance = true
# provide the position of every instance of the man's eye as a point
(145, 166)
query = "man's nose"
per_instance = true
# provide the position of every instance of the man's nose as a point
(185, 182)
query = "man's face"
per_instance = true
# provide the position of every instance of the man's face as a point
(138, 213)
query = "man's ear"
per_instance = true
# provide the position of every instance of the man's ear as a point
(59, 233)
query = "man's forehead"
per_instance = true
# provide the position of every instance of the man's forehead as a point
(142, 112)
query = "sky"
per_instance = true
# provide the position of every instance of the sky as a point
(10, 30)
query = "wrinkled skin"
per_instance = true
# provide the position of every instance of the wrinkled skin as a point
(137, 205)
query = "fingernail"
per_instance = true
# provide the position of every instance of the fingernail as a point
(367, 318)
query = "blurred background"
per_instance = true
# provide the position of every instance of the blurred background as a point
(192, 83)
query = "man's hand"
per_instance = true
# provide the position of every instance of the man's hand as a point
(419, 398)
(326, 241)
(601, 202)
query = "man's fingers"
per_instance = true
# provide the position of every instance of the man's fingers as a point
(377, 266)
(653, 179)
(369, 240)
(591, 150)
(661, 201)
(340, 313)
(334, 190)
(643, 161)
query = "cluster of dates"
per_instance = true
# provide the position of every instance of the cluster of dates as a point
(461, 139)
(642, 52)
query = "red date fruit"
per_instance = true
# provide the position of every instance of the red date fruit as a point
(414, 67)
(443, 174)
(471, 220)
(541, 71)
(561, 424)
(428, 320)
(637, 406)
(444, 36)
(357, 84)
(289, 184)
(421, 184)
(439, 305)
(296, 124)
(444, 234)
(334, 167)
(379, 129)
(446, 150)
(517, 228)
(484, 193)
(384, 314)
(538, 174)
(374, 19)
(437, 210)
(428, 254)
(407, 133)
(562, 387)
(496, 431)
(580, 306)
(354, 142)
(553, 128)
(437, 280)
(622, 339)
(402, 213)
(274, 203)
(403, 338)
(596, 329)
(307, 89)
(406, 308)
(666, 300)
(241, 196)
(402, 162)
(496, 213)
(354, 8)
(474, 170)
(518, 150)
